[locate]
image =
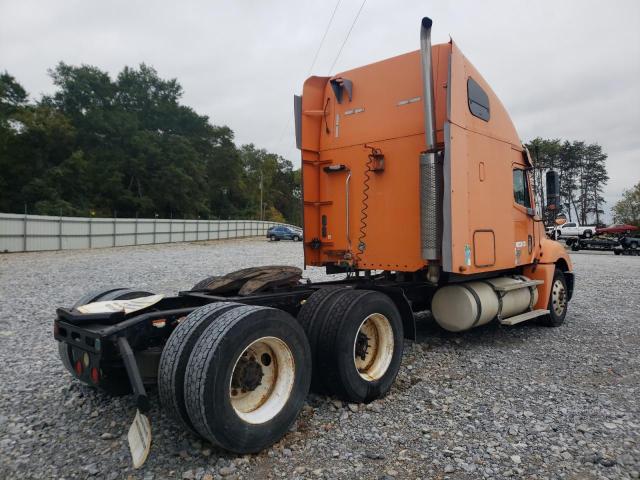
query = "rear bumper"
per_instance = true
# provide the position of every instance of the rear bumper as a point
(78, 337)
(99, 349)
(90, 358)
(110, 365)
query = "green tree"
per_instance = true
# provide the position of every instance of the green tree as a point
(582, 172)
(127, 146)
(627, 209)
(280, 185)
(13, 99)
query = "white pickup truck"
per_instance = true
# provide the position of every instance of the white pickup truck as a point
(572, 229)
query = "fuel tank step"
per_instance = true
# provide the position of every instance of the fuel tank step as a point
(523, 317)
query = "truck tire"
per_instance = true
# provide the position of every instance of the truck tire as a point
(247, 378)
(312, 316)
(94, 295)
(360, 346)
(558, 302)
(588, 234)
(202, 284)
(114, 381)
(175, 357)
(124, 294)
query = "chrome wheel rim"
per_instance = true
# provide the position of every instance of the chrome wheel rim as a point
(373, 347)
(558, 298)
(262, 380)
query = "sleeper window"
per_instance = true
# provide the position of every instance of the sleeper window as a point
(478, 100)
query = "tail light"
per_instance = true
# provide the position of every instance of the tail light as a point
(78, 368)
(95, 375)
(159, 322)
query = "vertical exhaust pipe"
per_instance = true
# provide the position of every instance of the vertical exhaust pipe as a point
(430, 166)
(427, 83)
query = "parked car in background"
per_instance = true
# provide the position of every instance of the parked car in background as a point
(280, 232)
(617, 229)
(572, 229)
(630, 242)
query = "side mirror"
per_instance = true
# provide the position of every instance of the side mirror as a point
(553, 190)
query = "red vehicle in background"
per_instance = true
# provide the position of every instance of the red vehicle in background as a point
(617, 228)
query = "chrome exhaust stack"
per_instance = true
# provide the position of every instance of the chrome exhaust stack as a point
(430, 163)
(427, 83)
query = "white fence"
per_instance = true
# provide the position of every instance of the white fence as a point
(28, 233)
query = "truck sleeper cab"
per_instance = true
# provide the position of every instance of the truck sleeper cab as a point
(421, 142)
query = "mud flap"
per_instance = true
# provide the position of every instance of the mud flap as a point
(139, 438)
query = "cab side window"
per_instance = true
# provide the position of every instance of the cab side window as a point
(521, 187)
(478, 100)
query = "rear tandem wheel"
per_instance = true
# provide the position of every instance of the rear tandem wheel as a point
(175, 357)
(357, 340)
(247, 378)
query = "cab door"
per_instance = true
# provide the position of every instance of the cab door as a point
(523, 212)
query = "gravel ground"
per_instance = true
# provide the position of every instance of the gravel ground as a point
(495, 402)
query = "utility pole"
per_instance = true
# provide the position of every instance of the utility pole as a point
(261, 211)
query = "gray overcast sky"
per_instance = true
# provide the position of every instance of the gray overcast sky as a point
(566, 69)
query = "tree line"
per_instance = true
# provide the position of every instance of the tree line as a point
(582, 172)
(127, 146)
(627, 209)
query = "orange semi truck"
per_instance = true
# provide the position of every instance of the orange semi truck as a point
(412, 165)
(416, 189)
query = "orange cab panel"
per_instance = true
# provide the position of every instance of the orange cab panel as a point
(358, 213)
(363, 137)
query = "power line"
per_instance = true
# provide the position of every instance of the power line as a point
(315, 58)
(348, 35)
(313, 63)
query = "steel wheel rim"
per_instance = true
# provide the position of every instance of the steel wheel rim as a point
(277, 366)
(373, 359)
(558, 298)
